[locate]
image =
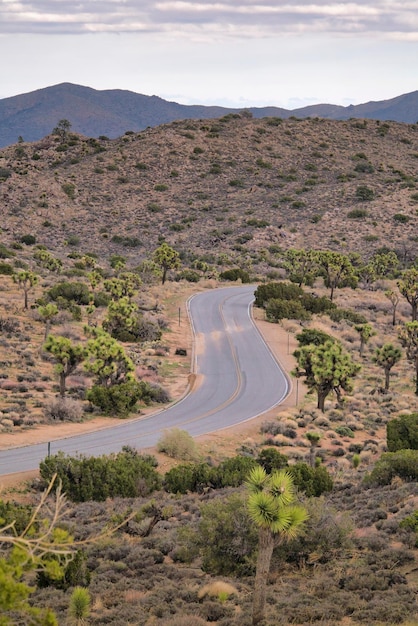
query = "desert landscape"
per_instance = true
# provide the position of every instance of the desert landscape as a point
(102, 243)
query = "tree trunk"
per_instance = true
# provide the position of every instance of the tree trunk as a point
(414, 311)
(25, 291)
(312, 456)
(416, 375)
(362, 344)
(321, 400)
(62, 384)
(265, 551)
(394, 316)
(387, 374)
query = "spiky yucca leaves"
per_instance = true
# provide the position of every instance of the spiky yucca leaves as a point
(271, 505)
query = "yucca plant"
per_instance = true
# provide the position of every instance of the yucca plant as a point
(79, 608)
(271, 505)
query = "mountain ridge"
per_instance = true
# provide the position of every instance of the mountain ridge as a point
(112, 112)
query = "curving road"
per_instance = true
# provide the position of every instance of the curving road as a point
(237, 378)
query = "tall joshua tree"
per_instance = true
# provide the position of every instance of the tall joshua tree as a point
(326, 368)
(271, 505)
(26, 280)
(408, 286)
(408, 336)
(386, 357)
(365, 331)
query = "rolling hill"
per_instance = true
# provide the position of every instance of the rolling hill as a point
(226, 190)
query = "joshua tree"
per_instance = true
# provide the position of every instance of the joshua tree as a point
(271, 506)
(326, 368)
(26, 280)
(365, 331)
(408, 286)
(394, 300)
(313, 439)
(166, 258)
(386, 357)
(47, 313)
(67, 355)
(337, 269)
(409, 339)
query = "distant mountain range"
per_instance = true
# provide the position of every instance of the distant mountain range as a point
(112, 112)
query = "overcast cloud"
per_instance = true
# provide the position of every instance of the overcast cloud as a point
(210, 19)
(236, 53)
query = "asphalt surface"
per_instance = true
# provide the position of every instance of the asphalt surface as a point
(237, 378)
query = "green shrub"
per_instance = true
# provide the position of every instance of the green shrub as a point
(102, 299)
(277, 310)
(344, 431)
(317, 305)
(231, 472)
(73, 240)
(29, 240)
(178, 444)
(271, 459)
(253, 221)
(347, 314)
(364, 193)
(74, 573)
(127, 242)
(364, 168)
(401, 217)
(5, 173)
(69, 190)
(313, 481)
(193, 477)
(5, 253)
(190, 275)
(196, 477)
(402, 433)
(403, 463)
(119, 399)
(70, 291)
(281, 291)
(312, 336)
(357, 214)
(235, 274)
(126, 474)
(18, 514)
(225, 551)
(411, 523)
(6, 269)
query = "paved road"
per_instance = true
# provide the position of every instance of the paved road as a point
(237, 378)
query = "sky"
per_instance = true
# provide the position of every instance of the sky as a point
(234, 53)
